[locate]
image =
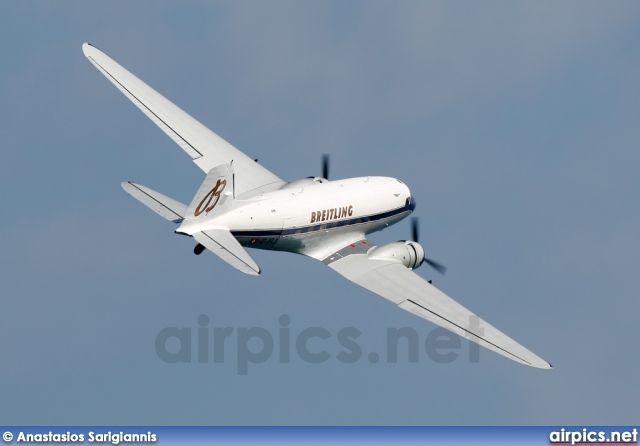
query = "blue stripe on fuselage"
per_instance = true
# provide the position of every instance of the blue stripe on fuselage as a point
(334, 224)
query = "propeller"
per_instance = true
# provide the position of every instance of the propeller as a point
(325, 166)
(437, 266)
(414, 229)
(432, 263)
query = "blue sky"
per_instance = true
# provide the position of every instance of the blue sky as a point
(513, 123)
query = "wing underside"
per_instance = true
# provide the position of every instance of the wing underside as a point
(412, 293)
(205, 147)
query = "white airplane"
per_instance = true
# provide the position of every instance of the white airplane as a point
(241, 204)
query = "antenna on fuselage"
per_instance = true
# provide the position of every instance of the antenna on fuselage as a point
(233, 181)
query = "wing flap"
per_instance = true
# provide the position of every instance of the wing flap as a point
(412, 293)
(224, 245)
(206, 148)
(166, 207)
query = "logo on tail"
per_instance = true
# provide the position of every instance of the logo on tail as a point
(206, 204)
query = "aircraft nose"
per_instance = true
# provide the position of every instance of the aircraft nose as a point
(412, 204)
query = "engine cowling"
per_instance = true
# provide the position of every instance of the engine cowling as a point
(409, 253)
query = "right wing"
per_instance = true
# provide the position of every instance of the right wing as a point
(412, 293)
(205, 147)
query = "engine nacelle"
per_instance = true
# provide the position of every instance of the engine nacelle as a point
(410, 254)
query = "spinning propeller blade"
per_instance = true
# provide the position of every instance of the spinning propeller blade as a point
(432, 263)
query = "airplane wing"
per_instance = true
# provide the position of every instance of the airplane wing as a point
(205, 147)
(412, 293)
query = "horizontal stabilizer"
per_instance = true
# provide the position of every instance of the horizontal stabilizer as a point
(224, 245)
(164, 206)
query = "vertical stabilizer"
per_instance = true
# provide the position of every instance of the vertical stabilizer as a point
(216, 194)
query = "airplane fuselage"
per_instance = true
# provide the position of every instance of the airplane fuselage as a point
(300, 216)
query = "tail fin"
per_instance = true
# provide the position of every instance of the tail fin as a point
(216, 194)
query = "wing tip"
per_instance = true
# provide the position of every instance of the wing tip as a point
(91, 51)
(541, 364)
(128, 185)
(86, 47)
(254, 268)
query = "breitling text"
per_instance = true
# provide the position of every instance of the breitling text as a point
(331, 214)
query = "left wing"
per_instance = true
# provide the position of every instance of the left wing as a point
(411, 292)
(205, 147)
